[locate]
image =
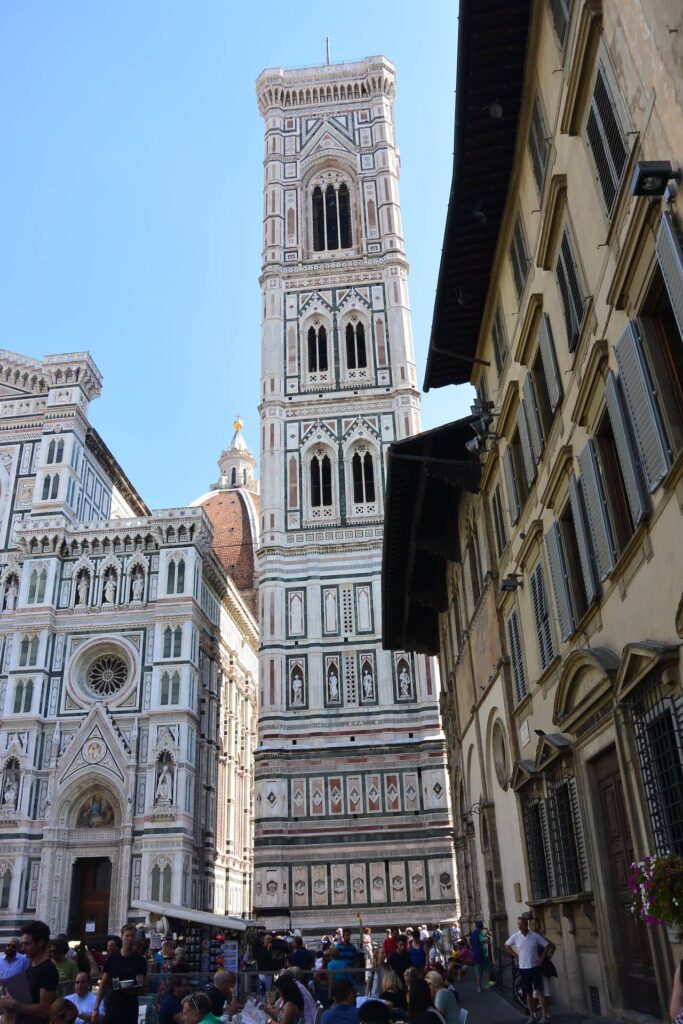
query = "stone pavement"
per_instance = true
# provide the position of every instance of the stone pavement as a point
(494, 1007)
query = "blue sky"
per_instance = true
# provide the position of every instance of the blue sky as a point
(130, 201)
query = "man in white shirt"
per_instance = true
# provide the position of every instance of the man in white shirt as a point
(12, 962)
(83, 998)
(530, 949)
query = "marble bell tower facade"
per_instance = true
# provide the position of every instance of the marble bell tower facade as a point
(352, 809)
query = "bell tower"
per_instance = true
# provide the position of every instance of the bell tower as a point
(351, 796)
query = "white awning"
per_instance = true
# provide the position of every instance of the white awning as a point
(238, 924)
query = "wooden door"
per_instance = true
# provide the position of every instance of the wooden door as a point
(637, 978)
(92, 885)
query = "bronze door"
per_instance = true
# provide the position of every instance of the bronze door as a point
(636, 972)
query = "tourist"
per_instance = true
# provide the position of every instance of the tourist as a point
(12, 961)
(530, 949)
(62, 1012)
(265, 963)
(66, 967)
(126, 971)
(391, 941)
(421, 1010)
(197, 1010)
(443, 997)
(85, 961)
(171, 1006)
(347, 951)
(416, 951)
(221, 992)
(343, 1010)
(374, 1011)
(479, 944)
(290, 1007)
(377, 971)
(300, 955)
(310, 1008)
(392, 991)
(41, 974)
(400, 960)
(82, 998)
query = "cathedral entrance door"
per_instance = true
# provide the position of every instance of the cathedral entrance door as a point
(90, 892)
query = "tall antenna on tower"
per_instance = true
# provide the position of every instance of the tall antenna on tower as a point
(327, 47)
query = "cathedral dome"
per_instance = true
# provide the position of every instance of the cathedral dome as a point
(233, 505)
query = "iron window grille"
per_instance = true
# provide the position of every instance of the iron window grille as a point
(536, 850)
(658, 726)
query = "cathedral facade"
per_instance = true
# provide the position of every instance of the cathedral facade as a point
(128, 671)
(352, 810)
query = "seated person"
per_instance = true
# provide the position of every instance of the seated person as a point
(221, 991)
(171, 1007)
(374, 1011)
(343, 1009)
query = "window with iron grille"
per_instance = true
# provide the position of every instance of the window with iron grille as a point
(560, 12)
(516, 657)
(658, 725)
(539, 144)
(500, 341)
(544, 631)
(607, 139)
(519, 257)
(571, 292)
(536, 849)
(499, 520)
(569, 855)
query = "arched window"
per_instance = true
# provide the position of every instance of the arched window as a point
(321, 481)
(168, 637)
(356, 354)
(18, 698)
(161, 883)
(51, 452)
(175, 688)
(59, 454)
(331, 217)
(177, 641)
(175, 580)
(180, 577)
(33, 651)
(55, 485)
(156, 882)
(165, 681)
(233, 477)
(317, 348)
(363, 478)
(170, 578)
(4, 889)
(32, 583)
(23, 651)
(46, 487)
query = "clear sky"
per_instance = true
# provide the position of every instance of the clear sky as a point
(131, 200)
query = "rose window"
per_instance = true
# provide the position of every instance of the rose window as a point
(107, 675)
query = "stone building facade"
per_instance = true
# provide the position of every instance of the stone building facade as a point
(557, 612)
(352, 813)
(128, 673)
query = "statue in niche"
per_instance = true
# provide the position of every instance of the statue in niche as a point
(82, 588)
(163, 795)
(10, 789)
(404, 681)
(138, 585)
(368, 682)
(11, 592)
(333, 685)
(297, 689)
(110, 589)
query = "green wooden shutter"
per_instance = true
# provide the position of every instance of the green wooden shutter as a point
(670, 256)
(516, 658)
(550, 368)
(629, 466)
(582, 540)
(511, 486)
(559, 580)
(596, 512)
(638, 392)
(529, 462)
(533, 419)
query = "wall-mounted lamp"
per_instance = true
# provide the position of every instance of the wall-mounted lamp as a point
(511, 582)
(650, 177)
(495, 110)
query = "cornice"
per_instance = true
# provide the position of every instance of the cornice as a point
(552, 220)
(561, 467)
(583, 57)
(591, 378)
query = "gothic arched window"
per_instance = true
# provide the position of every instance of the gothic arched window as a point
(165, 680)
(23, 697)
(321, 481)
(317, 348)
(175, 579)
(168, 636)
(51, 452)
(331, 216)
(363, 478)
(46, 487)
(59, 454)
(55, 485)
(356, 354)
(4, 889)
(177, 641)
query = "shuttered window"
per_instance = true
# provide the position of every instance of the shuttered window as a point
(559, 577)
(568, 848)
(546, 345)
(560, 11)
(639, 392)
(544, 631)
(670, 256)
(579, 522)
(536, 839)
(500, 341)
(519, 257)
(514, 504)
(516, 658)
(607, 139)
(597, 515)
(571, 292)
(527, 453)
(627, 460)
(538, 143)
(533, 416)
(499, 520)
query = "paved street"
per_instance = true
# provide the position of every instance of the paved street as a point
(492, 1007)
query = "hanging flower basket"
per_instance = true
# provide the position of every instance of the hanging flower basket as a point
(657, 887)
